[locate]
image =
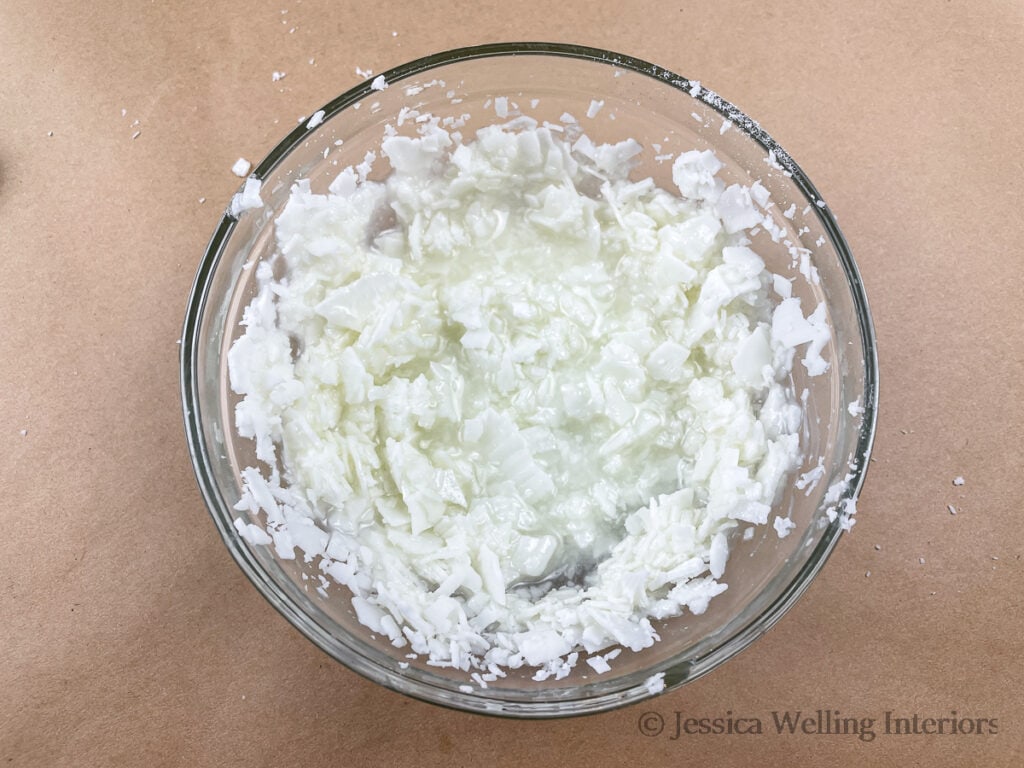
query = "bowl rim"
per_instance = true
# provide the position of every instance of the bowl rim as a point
(743, 636)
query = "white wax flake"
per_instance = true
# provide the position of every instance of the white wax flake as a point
(820, 241)
(920, 560)
(782, 286)
(655, 684)
(695, 88)
(567, 118)
(846, 519)
(791, 328)
(276, 76)
(49, 133)
(379, 83)
(501, 106)
(855, 408)
(726, 125)
(951, 508)
(718, 554)
(783, 525)
(251, 533)
(790, 212)
(594, 108)
(598, 664)
(958, 480)
(748, 534)
(697, 117)
(315, 120)
(124, 113)
(241, 167)
(364, 73)
(248, 199)
(202, 200)
(23, 432)
(136, 135)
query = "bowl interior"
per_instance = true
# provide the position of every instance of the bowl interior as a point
(612, 98)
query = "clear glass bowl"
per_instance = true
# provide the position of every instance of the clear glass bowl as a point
(656, 107)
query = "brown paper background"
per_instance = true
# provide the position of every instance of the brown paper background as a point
(127, 634)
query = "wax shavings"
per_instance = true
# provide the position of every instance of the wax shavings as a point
(663, 552)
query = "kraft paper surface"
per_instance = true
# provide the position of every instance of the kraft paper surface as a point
(129, 637)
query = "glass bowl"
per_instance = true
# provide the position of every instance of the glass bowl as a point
(667, 114)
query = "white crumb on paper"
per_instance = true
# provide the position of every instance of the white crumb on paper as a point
(379, 83)
(241, 167)
(594, 108)
(958, 480)
(275, 76)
